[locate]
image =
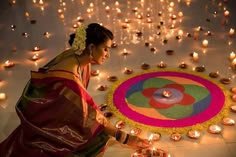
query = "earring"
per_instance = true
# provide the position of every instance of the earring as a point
(90, 56)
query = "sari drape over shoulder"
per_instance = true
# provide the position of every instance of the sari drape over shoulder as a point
(58, 117)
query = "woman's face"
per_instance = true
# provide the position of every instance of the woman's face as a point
(101, 52)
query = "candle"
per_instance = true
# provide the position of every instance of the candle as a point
(195, 56)
(205, 43)
(3, 96)
(231, 32)
(9, 64)
(232, 56)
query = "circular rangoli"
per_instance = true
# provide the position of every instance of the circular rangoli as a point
(168, 100)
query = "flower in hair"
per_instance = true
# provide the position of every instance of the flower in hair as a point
(79, 40)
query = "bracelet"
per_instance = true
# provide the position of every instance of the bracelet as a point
(126, 139)
(121, 137)
(118, 135)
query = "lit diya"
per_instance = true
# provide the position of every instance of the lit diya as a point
(108, 114)
(154, 137)
(135, 131)
(175, 137)
(233, 90)
(145, 66)
(166, 93)
(112, 78)
(150, 152)
(80, 19)
(135, 154)
(33, 21)
(3, 96)
(95, 72)
(214, 74)
(153, 49)
(26, 35)
(233, 108)
(128, 71)
(120, 124)
(103, 107)
(225, 81)
(36, 48)
(228, 121)
(200, 68)
(46, 34)
(139, 33)
(183, 65)
(234, 97)
(102, 87)
(147, 44)
(169, 52)
(114, 45)
(214, 129)
(194, 134)
(162, 65)
(9, 64)
(35, 57)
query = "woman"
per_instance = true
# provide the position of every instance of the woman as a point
(58, 117)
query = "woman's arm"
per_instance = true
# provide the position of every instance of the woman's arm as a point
(122, 137)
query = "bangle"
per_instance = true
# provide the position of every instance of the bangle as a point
(126, 139)
(118, 135)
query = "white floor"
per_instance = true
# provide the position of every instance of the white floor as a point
(209, 15)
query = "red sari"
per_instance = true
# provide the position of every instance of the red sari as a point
(58, 117)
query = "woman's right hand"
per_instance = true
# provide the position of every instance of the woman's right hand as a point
(137, 142)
